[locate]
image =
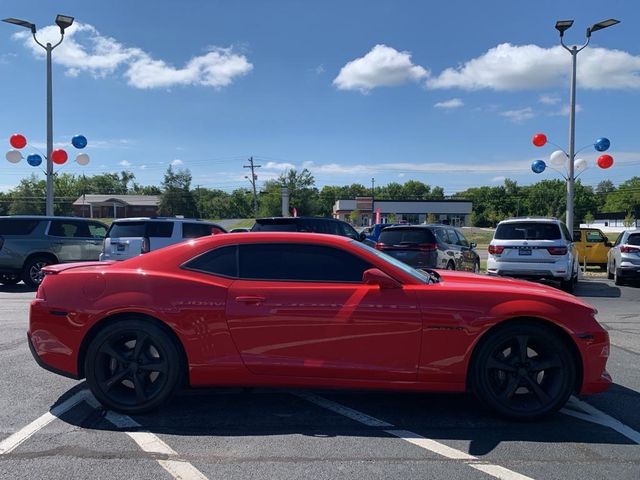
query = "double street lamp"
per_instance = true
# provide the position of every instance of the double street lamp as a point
(562, 26)
(64, 22)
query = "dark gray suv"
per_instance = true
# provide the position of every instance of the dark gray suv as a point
(29, 243)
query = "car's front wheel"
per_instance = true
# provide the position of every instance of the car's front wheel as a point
(133, 366)
(523, 371)
(32, 273)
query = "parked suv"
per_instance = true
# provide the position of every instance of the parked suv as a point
(130, 237)
(429, 246)
(28, 243)
(534, 248)
(624, 257)
(329, 226)
(592, 245)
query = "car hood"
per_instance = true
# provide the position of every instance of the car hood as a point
(506, 284)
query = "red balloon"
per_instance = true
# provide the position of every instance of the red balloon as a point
(18, 141)
(605, 161)
(539, 139)
(59, 156)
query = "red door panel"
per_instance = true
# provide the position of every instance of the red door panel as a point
(325, 329)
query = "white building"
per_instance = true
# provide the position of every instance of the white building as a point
(453, 212)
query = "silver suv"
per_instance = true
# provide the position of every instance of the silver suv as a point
(623, 259)
(130, 237)
(534, 248)
(28, 243)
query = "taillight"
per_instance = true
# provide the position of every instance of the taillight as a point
(557, 250)
(496, 249)
(146, 248)
(379, 246)
(427, 247)
(623, 249)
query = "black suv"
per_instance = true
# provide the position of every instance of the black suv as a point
(329, 226)
(429, 246)
(28, 243)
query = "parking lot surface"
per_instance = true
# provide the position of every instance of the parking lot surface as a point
(51, 427)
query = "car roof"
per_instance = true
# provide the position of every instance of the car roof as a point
(45, 217)
(531, 219)
(421, 225)
(161, 219)
(295, 219)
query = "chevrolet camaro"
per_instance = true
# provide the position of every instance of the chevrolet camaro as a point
(309, 310)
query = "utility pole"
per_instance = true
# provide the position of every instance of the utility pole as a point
(253, 179)
(373, 183)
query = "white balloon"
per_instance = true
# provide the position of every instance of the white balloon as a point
(558, 158)
(14, 156)
(580, 165)
(82, 159)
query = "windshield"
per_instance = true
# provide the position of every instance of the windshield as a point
(417, 274)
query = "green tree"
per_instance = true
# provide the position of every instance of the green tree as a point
(28, 198)
(629, 220)
(588, 218)
(177, 198)
(626, 198)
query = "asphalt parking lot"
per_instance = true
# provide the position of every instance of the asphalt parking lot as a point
(50, 427)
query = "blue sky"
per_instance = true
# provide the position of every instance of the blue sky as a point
(449, 93)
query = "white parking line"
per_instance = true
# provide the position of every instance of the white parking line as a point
(13, 441)
(425, 443)
(591, 414)
(150, 443)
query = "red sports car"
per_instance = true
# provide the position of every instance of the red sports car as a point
(309, 310)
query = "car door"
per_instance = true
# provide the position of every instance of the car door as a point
(596, 248)
(456, 248)
(66, 239)
(302, 310)
(93, 241)
(580, 244)
(468, 256)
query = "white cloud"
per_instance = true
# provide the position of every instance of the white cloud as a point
(526, 67)
(85, 50)
(453, 103)
(142, 167)
(279, 166)
(177, 162)
(549, 99)
(319, 69)
(382, 67)
(564, 111)
(499, 179)
(125, 163)
(519, 116)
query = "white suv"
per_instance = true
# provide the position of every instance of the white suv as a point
(534, 248)
(129, 237)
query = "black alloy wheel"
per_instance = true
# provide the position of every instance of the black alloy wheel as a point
(9, 278)
(133, 366)
(523, 371)
(32, 274)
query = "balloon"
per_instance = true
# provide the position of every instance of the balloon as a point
(79, 141)
(538, 166)
(82, 159)
(59, 156)
(14, 156)
(539, 139)
(17, 140)
(580, 165)
(34, 160)
(602, 144)
(605, 161)
(557, 158)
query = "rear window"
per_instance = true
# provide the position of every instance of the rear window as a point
(140, 229)
(276, 225)
(528, 231)
(634, 239)
(399, 236)
(17, 226)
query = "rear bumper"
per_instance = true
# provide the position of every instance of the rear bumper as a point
(536, 271)
(628, 270)
(45, 365)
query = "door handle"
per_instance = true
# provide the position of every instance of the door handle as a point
(250, 299)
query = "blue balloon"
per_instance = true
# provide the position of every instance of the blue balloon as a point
(602, 144)
(538, 166)
(34, 160)
(79, 141)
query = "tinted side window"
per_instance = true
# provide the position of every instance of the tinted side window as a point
(348, 231)
(299, 263)
(220, 261)
(397, 236)
(566, 233)
(17, 226)
(441, 235)
(634, 239)
(275, 226)
(577, 235)
(195, 230)
(460, 238)
(69, 229)
(159, 229)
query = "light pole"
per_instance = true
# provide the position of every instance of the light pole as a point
(63, 21)
(562, 26)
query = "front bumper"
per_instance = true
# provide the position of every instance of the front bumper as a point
(594, 348)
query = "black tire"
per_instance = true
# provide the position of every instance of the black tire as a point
(451, 266)
(567, 285)
(131, 379)
(9, 279)
(32, 271)
(476, 267)
(609, 273)
(617, 278)
(514, 384)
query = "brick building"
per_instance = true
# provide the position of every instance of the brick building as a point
(116, 206)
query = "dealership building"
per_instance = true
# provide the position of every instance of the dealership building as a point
(453, 212)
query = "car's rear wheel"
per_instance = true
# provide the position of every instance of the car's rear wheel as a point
(523, 371)
(32, 273)
(133, 366)
(617, 278)
(9, 279)
(609, 273)
(567, 285)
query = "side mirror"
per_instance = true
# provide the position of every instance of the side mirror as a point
(608, 244)
(606, 240)
(473, 245)
(363, 235)
(374, 276)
